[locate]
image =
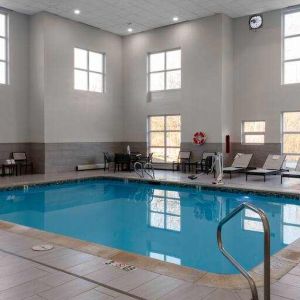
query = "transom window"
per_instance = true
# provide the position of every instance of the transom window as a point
(89, 70)
(291, 138)
(291, 46)
(3, 49)
(253, 132)
(164, 70)
(164, 137)
(165, 210)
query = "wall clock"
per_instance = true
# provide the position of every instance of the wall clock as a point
(255, 22)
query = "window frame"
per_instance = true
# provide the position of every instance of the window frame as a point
(287, 132)
(165, 131)
(165, 198)
(284, 38)
(286, 224)
(165, 71)
(6, 40)
(88, 71)
(243, 133)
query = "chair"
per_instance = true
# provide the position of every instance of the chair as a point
(8, 167)
(183, 157)
(108, 159)
(292, 174)
(22, 162)
(240, 164)
(206, 162)
(272, 166)
(123, 161)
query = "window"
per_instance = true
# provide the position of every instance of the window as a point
(3, 49)
(165, 210)
(164, 137)
(291, 47)
(252, 221)
(164, 70)
(291, 138)
(164, 257)
(291, 223)
(253, 132)
(89, 71)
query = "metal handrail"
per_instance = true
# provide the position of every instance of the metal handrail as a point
(266, 227)
(143, 169)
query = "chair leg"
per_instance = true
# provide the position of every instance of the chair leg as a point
(281, 179)
(246, 177)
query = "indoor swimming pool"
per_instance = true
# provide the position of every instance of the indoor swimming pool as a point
(169, 223)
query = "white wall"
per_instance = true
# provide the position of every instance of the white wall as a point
(200, 99)
(14, 97)
(259, 94)
(78, 116)
(37, 79)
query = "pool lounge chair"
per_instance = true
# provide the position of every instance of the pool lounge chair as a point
(272, 166)
(240, 164)
(292, 174)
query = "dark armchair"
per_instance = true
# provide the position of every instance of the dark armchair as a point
(108, 159)
(22, 162)
(183, 157)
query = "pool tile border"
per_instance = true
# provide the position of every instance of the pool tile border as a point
(197, 185)
(281, 262)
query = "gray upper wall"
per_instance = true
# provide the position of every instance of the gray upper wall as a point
(259, 94)
(14, 97)
(199, 99)
(218, 53)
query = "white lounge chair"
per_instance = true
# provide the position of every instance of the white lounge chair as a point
(272, 166)
(292, 174)
(240, 164)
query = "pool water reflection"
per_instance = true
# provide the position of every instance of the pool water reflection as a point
(173, 224)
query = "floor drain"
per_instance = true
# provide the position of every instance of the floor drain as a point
(42, 247)
(121, 266)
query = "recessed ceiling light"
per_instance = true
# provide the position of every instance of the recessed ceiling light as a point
(129, 29)
(76, 11)
(175, 19)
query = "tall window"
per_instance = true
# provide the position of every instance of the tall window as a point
(165, 210)
(253, 132)
(164, 137)
(291, 137)
(291, 46)
(3, 49)
(291, 223)
(252, 221)
(164, 70)
(89, 70)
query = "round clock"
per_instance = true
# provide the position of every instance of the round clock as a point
(255, 22)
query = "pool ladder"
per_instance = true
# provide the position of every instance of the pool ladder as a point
(246, 274)
(141, 169)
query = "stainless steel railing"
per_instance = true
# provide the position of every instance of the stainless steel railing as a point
(144, 168)
(266, 227)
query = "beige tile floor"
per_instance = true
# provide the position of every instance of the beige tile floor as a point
(64, 273)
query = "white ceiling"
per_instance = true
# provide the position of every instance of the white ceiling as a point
(114, 15)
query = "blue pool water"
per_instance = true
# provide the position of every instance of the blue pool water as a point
(170, 223)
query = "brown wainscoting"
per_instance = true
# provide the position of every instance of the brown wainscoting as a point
(7, 148)
(260, 152)
(37, 156)
(64, 157)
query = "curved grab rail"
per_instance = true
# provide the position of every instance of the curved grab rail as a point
(266, 227)
(142, 168)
